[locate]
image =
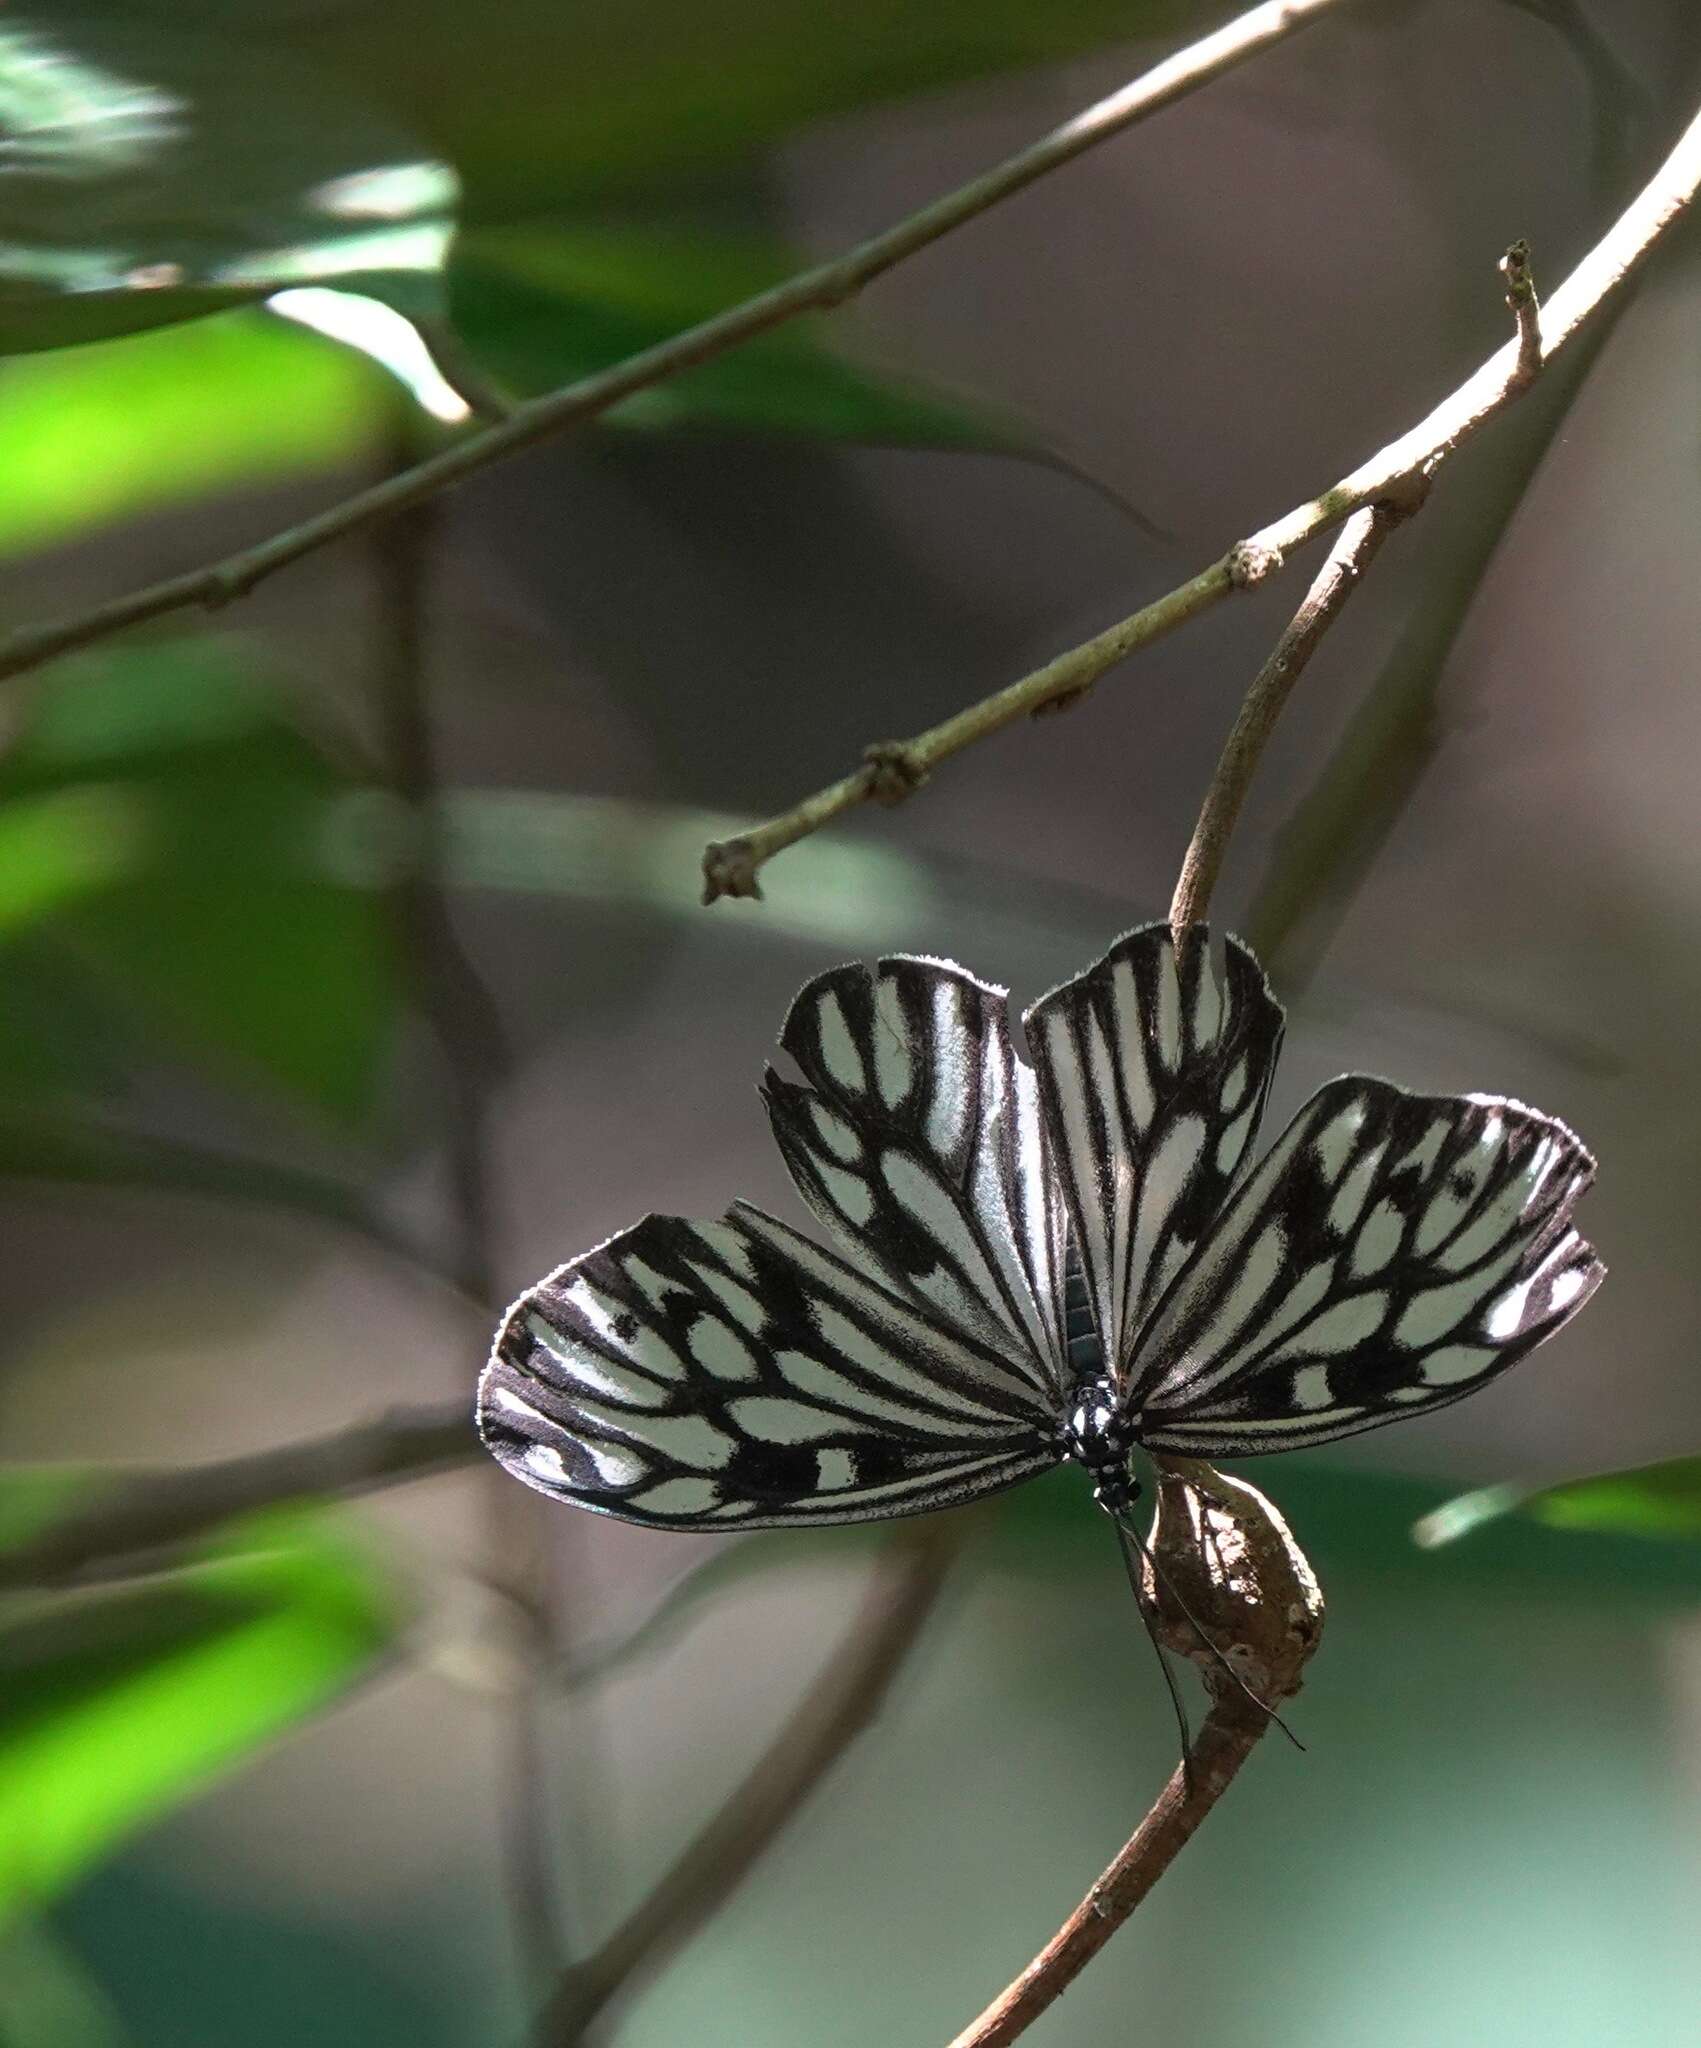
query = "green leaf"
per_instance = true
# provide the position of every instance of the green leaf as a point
(1659, 1501)
(94, 434)
(578, 104)
(166, 829)
(540, 307)
(119, 1704)
(154, 174)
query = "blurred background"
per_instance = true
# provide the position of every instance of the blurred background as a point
(291, 1087)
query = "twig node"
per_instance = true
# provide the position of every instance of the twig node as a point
(893, 771)
(1250, 561)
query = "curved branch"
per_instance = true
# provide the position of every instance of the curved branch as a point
(1228, 1738)
(147, 1513)
(846, 1695)
(1352, 554)
(1396, 476)
(816, 290)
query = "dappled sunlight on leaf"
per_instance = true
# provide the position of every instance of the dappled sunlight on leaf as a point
(92, 435)
(154, 175)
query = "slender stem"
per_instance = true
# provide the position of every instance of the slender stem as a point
(1351, 555)
(1395, 475)
(816, 290)
(139, 1517)
(845, 1697)
(472, 1052)
(93, 1154)
(456, 1004)
(892, 770)
(1370, 771)
(1228, 1738)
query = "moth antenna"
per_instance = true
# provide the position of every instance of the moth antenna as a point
(1173, 1689)
(1127, 1533)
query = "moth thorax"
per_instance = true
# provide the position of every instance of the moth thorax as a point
(1098, 1436)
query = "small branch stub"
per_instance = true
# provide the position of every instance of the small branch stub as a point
(729, 869)
(1525, 308)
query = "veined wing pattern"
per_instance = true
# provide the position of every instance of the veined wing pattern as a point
(1391, 1253)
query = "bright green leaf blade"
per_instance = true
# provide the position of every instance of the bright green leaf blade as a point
(208, 912)
(94, 434)
(1660, 1501)
(154, 174)
(117, 1705)
(540, 307)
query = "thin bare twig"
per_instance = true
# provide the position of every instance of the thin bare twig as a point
(816, 290)
(1369, 774)
(472, 1052)
(1395, 474)
(1351, 555)
(1228, 1738)
(138, 1518)
(88, 1153)
(845, 1697)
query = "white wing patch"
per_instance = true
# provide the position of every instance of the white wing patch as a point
(1392, 1253)
(917, 1142)
(735, 1373)
(1152, 1073)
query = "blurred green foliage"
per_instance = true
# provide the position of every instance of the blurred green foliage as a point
(94, 434)
(163, 173)
(163, 834)
(590, 106)
(119, 1701)
(1661, 1501)
(155, 173)
(544, 306)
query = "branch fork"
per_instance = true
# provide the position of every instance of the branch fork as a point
(1394, 481)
